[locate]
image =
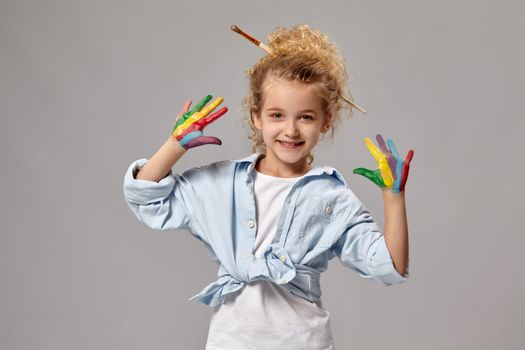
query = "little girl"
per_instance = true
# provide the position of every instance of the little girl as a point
(273, 220)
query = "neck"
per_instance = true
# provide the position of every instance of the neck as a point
(277, 170)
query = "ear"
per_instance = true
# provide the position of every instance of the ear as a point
(256, 120)
(327, 124)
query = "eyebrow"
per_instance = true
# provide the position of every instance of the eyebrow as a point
(280, 109)
(309, 111)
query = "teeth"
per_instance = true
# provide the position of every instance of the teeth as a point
(290, 144)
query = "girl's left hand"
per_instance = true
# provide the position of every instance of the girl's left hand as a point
(392, 172)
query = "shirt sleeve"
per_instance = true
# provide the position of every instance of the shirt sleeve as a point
(362, 248)
(168, 204)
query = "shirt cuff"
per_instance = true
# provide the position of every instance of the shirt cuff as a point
(143, 192)
(382, 267)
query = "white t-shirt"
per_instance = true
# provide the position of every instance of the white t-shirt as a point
(263, 315)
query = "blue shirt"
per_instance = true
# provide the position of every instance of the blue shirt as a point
(321, 218)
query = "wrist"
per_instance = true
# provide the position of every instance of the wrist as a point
(390, 193)
(175, 144)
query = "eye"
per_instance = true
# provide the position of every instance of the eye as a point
(276, 115)
(307, 117)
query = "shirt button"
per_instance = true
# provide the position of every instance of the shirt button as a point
(251, 224)
(246, 255)
(282, 258)
(328, 210)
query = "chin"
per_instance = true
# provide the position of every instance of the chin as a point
(292, 160)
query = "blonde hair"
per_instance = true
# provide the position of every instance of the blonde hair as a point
(304, 54)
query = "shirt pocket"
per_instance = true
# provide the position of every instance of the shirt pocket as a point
(316, 215)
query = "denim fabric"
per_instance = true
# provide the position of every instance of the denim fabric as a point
(321, 218)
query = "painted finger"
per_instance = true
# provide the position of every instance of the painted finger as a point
(372, 175)
(397, 171)
(197, 116)
(189, 124)
(201, 123)
(409, 157)
(206, 110)
(374, 150)
(386, 173)
(211, 118)
(390, 158)
(381, 143)
(406, 168)
(203, 140)
(393, 148)
(181, 132)
(184, 109)
(180, 129)
(196, 109)
(382, 163)
(187, 138)
(201, 118)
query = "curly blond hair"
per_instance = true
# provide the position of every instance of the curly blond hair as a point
(304, 54)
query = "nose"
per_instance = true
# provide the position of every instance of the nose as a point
(291, 129)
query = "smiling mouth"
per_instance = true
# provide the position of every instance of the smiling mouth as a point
(290, 144)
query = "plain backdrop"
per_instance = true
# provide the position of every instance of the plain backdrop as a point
(86, 87)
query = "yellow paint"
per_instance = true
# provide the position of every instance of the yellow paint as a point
(382, 163)
(198, 115)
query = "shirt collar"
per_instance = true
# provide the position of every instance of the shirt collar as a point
(315, 171)
(250, 159)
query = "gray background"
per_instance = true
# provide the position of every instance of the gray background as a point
(86, 87)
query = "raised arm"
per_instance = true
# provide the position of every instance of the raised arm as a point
(391, 176)
(159, 165)
(396, 229)
(169, 202)
(186, 134)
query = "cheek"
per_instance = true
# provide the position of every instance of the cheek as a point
(315, 137)
(315, 132)
(269, 131)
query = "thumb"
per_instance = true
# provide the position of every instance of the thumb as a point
(372, 175)
(203, 140)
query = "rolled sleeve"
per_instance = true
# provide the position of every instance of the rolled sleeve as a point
(144, 192)
(362, 248)
(381, 265)
(163, 205)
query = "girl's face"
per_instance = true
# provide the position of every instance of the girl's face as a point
(291, 121)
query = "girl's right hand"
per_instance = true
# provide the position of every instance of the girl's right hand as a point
(190, 123)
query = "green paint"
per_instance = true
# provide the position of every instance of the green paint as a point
(372, 175)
